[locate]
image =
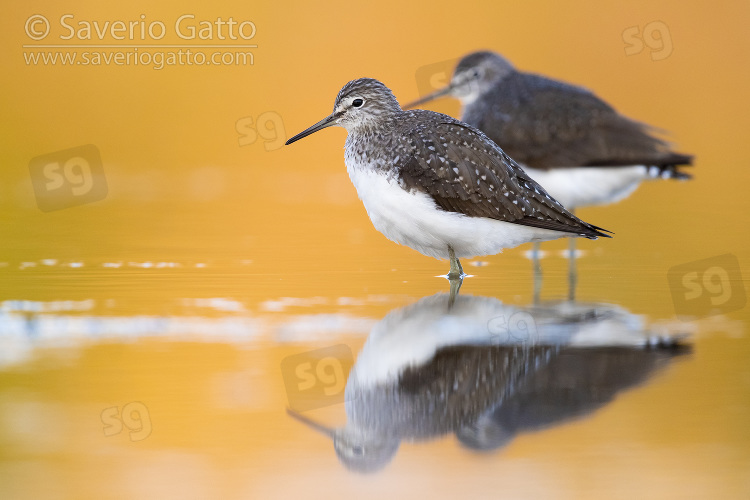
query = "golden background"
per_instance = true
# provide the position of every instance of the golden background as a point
(257, 222)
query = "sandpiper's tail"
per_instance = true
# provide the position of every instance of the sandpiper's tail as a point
(573, 225)
(596, 232)
(671, 170)
(678, 343)
(665, 166)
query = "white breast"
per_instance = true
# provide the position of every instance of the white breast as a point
(412, 335)
(584, 186)
(413, 219)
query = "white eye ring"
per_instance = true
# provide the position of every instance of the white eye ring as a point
(358, 102)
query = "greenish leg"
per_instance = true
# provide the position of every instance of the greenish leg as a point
(455, 277)
(537, 267)
(572, 270)
(455, 287)
(456, 272)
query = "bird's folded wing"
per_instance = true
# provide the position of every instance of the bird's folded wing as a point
(550, 126)
(465, 172)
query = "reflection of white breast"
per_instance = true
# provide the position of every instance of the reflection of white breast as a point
(412, 335)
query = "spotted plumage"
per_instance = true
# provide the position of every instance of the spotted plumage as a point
(438, 185)
(555, 129)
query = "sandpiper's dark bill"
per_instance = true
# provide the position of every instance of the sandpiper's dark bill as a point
(311, 423)
(438, 185)
(431, 97)
(325, 122)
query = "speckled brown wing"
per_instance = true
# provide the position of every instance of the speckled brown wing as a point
(464, 172)
(545, 124)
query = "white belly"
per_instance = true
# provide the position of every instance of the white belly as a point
(584, 186)
(414, 220)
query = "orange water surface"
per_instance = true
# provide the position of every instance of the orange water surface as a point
(145, 334)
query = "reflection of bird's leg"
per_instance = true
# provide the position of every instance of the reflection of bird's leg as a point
(456, 272)
(572, 270)
(455, 287)
(537, 268)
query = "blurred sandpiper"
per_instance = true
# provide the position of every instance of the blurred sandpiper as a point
(570, 141)
(438, 185)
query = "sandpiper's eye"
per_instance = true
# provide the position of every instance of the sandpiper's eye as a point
(357, 103)
(358, 450)
(476, 73)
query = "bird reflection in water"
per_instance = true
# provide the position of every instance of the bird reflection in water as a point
(486, 372)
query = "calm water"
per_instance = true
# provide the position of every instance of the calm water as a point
(129, 376)
(219, 319)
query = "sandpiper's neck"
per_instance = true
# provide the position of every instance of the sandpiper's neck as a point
(478, 90)
(373, 145)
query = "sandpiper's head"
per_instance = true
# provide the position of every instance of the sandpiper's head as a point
(363, 452)
(475, 74)
(357, 449)
(360, 103)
